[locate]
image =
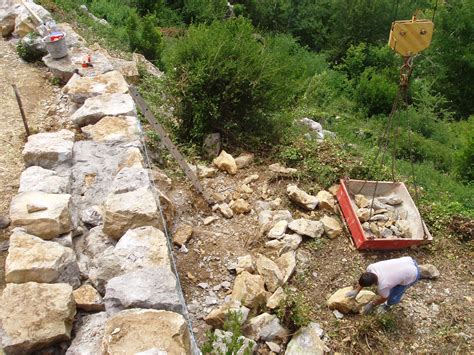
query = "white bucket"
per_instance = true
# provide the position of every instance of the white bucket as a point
(57, 48)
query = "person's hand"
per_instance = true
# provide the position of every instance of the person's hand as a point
(351, 294)
(368, 308)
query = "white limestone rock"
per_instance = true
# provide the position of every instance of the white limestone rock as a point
(52, 217)
(35, 315)
(50, 149)
(97, 107)
(81, 88)
(35, 178)
(32, 259)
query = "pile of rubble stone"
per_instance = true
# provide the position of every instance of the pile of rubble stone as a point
(260, 280)
(383, 217)
(88, 266)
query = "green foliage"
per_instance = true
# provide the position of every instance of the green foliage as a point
(144, 36)
(28, 53)
(232, 344)
(292, 311)
(452, 54)
(374, 93)
(224, 78)
(204, 11)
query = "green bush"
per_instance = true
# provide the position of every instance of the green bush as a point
(204, 11)
(29, 52)
(144, 36)
(224, 78)
(374, 93)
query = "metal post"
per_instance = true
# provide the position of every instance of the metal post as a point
(20, 105)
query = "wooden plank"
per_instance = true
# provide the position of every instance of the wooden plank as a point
(169, 144)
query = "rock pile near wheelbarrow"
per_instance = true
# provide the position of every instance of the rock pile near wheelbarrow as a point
(87, 234)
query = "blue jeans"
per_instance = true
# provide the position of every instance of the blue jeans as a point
(397, 292)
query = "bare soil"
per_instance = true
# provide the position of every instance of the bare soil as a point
(435, 316)
(45, 111)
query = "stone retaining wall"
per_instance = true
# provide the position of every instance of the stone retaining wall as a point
(88, 266)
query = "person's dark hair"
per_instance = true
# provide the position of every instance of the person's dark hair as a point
(367, 279)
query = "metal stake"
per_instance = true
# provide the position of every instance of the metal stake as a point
(20, 105)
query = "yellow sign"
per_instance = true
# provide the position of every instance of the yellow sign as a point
(410, 37)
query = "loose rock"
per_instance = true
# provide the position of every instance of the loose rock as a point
(307, 227)
(287, 265)
(244, 160)
(225, 210)
(88, 335)
(428, 271)
(332, 227)
(245, 263)
(240, 206)
(183, 233)
(281, 170)
(266, 327)
(271, 273)
(4, 222)
(301, 198)
(218, 316)
(287, 243)
(249, 290)
(276, 298)
(226, 162)
(278, 230)
(307, 341)
(211, 145)
(343, 304)
(326, 200)
(88, 299)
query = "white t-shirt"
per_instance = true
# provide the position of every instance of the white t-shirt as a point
(393, 272)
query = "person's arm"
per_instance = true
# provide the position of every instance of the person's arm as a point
(354, 292)
(370, 306)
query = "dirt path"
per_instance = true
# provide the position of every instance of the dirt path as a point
(44, 109)
(435, 315)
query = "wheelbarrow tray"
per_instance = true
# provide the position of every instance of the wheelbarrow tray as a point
(345, 197)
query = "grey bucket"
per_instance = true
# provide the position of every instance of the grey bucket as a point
(58, 48)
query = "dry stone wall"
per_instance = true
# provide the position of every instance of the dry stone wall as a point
(88, 266)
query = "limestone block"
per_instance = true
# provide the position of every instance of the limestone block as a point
(266, 327)
(271, 273)
(81, 88)
(113, 129)
(49, 149)
(88, 335)
(145, 288)
(130, 210)
(136, 330)
(36, 178)
(32, 259)
(95, 108)
(52, 216)
(35, 315)
(307, 341)
(343, 304)
(226, 162)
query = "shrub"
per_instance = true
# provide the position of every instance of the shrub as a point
(224, 78)
(29, 49)
(144, 36)
(374, 93)
(204, 11)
